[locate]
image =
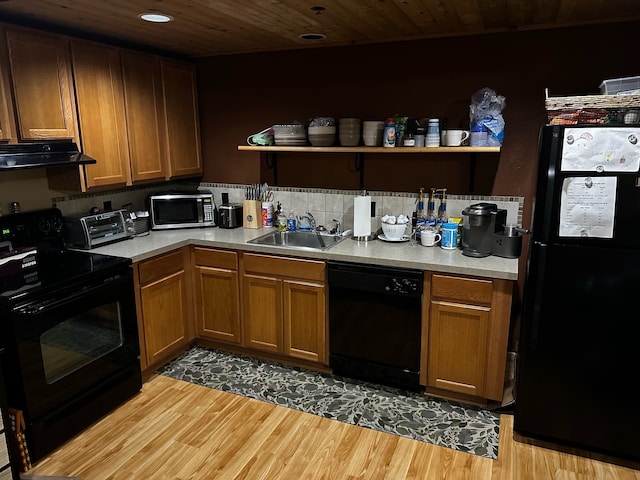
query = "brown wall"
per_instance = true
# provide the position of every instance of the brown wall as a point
(243, 94)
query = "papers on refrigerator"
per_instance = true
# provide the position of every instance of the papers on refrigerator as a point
(609, 149)
(587, 207)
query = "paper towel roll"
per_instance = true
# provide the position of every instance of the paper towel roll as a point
(362, 216)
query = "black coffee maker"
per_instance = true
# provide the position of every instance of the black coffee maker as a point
(481, 222)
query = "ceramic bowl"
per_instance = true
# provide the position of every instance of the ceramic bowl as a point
(349, 140)
(395, 231)
(322, 136)
(292, 134)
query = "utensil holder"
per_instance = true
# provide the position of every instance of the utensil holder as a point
(252, 210)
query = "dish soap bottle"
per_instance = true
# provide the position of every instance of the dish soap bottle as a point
(279, 219)
(291, 222)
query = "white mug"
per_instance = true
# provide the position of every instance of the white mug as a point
(455, 138)
(429, 238)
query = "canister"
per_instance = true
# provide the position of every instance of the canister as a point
(449, 231)
(433, 133)
(267, 214)
(389, 133)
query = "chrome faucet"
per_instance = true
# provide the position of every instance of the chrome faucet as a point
(337, 230)
(312, 221)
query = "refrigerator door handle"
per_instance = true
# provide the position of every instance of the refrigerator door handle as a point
(540, 262)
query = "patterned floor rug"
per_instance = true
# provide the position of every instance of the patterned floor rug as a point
(408, 414)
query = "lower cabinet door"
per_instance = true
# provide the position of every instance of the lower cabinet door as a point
(304, 320)
(458, 347)
(263, 313)
(165, 313)
(218, 310)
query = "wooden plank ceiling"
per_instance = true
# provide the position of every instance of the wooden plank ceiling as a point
(219, 27)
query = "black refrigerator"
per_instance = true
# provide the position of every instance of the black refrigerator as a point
(578, 365)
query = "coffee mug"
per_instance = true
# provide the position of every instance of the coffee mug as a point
(455, 138)
(429, 238)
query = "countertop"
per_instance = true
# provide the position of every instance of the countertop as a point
(376, 252)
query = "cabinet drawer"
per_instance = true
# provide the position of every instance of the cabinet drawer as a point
(285, 267)
(216, 258)
(466, 290)
(160, 267)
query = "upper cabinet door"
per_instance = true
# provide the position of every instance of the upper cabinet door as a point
(7, 125)
(181, 118)
(101, 113)
(42, 85)
(145, 115)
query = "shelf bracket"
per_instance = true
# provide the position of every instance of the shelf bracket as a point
(359, 163)
(271, 160)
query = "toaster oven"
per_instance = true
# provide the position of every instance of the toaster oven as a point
(90, 231)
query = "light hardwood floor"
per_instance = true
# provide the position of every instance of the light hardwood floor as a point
(177, 430)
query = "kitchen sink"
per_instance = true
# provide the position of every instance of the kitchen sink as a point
(299, 240)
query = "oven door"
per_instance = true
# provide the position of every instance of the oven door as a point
(71, 340)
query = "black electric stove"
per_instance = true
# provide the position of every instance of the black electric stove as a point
(69, 329)
(34, 260)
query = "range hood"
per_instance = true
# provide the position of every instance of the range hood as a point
(38, 155)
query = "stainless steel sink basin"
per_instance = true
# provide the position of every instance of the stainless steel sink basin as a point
(299, 240)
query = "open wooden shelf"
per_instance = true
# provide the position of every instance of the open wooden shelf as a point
(310, 149)
(271, 154)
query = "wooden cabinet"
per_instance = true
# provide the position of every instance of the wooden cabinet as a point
(42, 85)
(465, 335)
(184, 157)
(7, 122)
(164, 301)
(137, 113)
(284, 306)
(101, 113)
(144, 115)
(217, 295)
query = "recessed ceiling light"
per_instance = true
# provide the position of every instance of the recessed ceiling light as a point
(312, 36)
(155, 17)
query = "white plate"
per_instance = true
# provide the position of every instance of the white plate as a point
(405, 238)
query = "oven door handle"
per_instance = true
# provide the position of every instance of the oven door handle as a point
(56, 301)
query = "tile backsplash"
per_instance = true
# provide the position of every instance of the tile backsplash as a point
(329, 205)
(325, 205)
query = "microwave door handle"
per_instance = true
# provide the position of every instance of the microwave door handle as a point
(200, 210)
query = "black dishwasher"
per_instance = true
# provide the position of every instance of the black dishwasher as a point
(375, 318)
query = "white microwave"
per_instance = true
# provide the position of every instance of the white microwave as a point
(181, 210)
